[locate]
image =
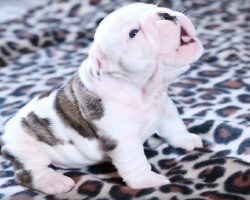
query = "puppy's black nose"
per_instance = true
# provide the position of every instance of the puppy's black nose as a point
(167, 16)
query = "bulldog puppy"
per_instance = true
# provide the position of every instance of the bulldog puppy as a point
(117, 101)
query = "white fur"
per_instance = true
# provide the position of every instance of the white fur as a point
(135, 100)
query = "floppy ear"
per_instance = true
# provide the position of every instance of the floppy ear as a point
(98, 60)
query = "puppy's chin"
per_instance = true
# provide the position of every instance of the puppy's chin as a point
(188, 53)
(184, 54)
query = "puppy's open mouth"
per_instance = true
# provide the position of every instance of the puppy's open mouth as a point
(185, 38)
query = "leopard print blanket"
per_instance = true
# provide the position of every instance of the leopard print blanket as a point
(43, 49)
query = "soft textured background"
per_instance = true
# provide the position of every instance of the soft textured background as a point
(43, 47)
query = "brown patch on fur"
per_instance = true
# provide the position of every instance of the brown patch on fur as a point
(40, 129)
(15, 162)
(45, 94)
(108, 144)
(22, 176)
(77, 106)
(89, 103)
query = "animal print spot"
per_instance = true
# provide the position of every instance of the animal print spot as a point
(22, 91)
(225, 134)
(180, 180)
(229, 18)
(9, 183)
(242, 162)
(12, 45)
(221, 153)
(230, 84)
(239, 182)
(154, 169)
(90, 188)
(209, 59)
(211, 73)
(204, 150)
(244, 147)
(25, 50)
(207, 97)
(94, 2)
(102, 168)
(171, 150)
(2, 62)
(6, 173)
(227, 111)
(126, 193)
(211, 174)
(244, 98)
(186, 93)
(224, 100)
(215, 195)
(244, 116)
(154, 198)
(191, 157)
(4, 51)
(59, 35)
(114, 180)
(176, 189)
(202, 128)
(150, 153)
(232, 57)
(74, 11)
(54, 81)
(202, 113)
(201, 186)
(167, 163)
(26, 194)
(75, 175)
(218, 161)
(176, 171)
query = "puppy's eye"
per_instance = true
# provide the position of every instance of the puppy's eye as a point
(133, 33)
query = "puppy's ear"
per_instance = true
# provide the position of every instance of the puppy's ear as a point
(98, 60)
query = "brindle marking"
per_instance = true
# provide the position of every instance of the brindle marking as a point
(15, 162)
(40, 129)
(22, 176)
(108, 144)
(77, 107)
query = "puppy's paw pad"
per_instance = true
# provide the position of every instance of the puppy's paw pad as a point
(188, 142)
(151, 180)
(54, 183)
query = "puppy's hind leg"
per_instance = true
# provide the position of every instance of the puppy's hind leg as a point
(31, 170)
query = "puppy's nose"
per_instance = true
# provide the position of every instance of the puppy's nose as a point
(166, 16)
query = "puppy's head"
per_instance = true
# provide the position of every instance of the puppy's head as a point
(133, 40)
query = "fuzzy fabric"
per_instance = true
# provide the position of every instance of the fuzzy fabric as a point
(44, 48)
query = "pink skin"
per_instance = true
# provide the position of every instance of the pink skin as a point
(168, 35)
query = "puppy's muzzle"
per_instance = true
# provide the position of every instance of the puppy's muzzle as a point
(166, 16)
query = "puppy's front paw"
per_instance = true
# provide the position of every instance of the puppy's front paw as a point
(187, 141)
(151, 179)
(54, 183)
